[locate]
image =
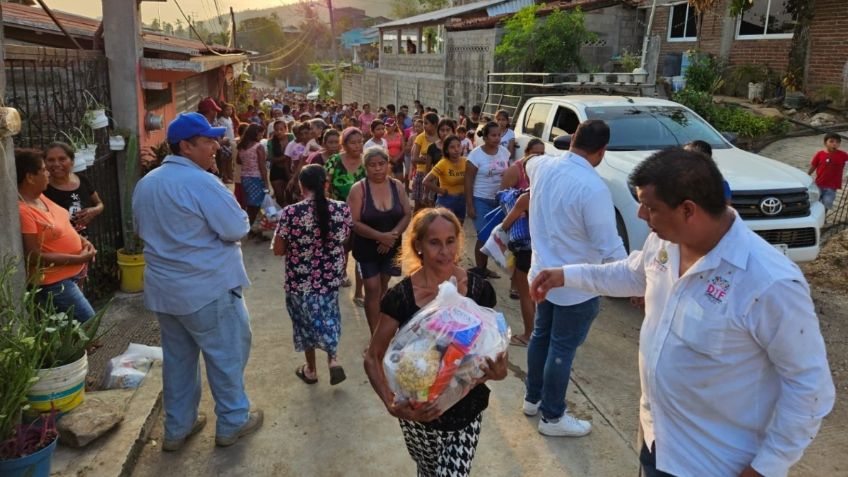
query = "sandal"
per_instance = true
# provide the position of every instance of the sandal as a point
(337, 375)
(513, 294)
(301, 373)
(359, 301)
(518, 340)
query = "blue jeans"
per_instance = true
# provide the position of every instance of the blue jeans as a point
(454, 203)
(557, 333)
(221, 331)
(67, 297)
(481, 208)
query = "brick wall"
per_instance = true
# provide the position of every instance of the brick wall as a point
(828, 45)
(828, 51)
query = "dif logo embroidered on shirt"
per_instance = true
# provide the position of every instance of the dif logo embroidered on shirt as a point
(717, 289)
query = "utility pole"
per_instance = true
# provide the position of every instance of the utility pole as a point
(332, 31)
(233, 35)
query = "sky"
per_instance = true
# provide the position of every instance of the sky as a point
(201, 9)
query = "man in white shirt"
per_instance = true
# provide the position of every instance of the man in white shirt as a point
(734, 373)
(572, 220)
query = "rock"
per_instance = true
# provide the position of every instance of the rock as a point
(791, 112)
(90, 420)
(822, 119)
(768, 112)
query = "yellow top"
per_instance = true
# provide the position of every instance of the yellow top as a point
(451, 176)
(423, 145)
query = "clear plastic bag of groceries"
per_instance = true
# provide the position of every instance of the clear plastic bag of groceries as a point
(438, 355)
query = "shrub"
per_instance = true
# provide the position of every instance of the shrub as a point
(738, 77)
(729, 119)
(704, 73)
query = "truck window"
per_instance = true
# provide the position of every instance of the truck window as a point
(565, 122)
(535, 119)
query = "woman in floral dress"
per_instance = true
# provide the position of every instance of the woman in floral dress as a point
(311, 234)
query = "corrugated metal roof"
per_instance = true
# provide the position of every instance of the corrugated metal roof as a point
(36, 19)
(443, 14)
(510, 6)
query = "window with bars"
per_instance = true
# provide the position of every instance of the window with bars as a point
(682, 23)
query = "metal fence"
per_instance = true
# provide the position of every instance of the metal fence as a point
(52, 88)
(836, 219)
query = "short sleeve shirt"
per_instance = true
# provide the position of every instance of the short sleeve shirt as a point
(55, 235)
(314, 266)
(295, 150)
(423, 146)
(342, 179)
(451, 176)
(490, 169)
(829, 168)
(73, 200)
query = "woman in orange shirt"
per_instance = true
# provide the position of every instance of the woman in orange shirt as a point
(55, 252)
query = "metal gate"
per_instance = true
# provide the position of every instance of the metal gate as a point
(52, 89)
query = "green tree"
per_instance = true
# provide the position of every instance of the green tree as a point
(167, 28)
(408, 8)
(329, 81)
(551, 44)
(155, 25)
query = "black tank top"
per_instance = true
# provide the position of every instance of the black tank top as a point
(365, 249)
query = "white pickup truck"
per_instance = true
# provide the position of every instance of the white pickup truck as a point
(777, 201)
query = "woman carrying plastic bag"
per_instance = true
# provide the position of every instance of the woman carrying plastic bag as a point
(441, 438)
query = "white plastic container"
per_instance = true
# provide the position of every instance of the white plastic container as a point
(98, 119)
(63, 386)
(117, 143)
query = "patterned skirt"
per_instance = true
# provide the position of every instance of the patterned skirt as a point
(316, 321)
(254, 190)
(442, 453)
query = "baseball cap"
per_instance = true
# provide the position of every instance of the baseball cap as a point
(208, 104)
(188, 125)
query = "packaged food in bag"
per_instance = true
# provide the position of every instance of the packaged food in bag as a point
(437, 356)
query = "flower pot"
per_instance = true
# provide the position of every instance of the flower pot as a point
(640, 78)
(97, 118)
(79, 164)
(62, 387)
(36, 464)
(131, 267)
(623, 78)
(85, 154)
(583, 78)
(756, 91)
(599, 78)
(117, 143)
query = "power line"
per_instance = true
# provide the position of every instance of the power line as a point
(195, 31)
(293, 48)
(290, 64)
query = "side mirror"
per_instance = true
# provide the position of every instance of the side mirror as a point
(732, 138)
(563, 143)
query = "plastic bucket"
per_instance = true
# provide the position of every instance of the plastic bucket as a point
(36, 464)
(79, 165)
(62, 387)
(132, 272)
(98, 119)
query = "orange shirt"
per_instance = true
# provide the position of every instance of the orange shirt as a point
(55, 235)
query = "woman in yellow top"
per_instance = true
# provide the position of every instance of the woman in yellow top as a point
(447, 178)
(422, 161)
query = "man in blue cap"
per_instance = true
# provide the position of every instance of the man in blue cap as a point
(191, 226)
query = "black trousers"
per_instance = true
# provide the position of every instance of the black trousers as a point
(649, 461)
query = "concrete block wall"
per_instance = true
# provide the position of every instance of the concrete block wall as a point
(383, 87)
(434, 64)
(470, 57)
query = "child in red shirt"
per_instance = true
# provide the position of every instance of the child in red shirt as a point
(829, 164)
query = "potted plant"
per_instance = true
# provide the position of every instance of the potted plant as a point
(131, 258)
(117, 140)
(85, 149)
(584, 78)
(598, 76)
(95, 114)
(24, 449)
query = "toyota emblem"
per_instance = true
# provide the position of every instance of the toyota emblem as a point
(771, 206)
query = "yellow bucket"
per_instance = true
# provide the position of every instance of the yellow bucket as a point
(62, 387)
(132, 272)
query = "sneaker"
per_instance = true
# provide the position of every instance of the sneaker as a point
(566, 426)
(254, 422)
(531, 409)
(171, 445)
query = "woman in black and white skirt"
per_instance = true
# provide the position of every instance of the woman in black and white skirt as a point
(442, 444)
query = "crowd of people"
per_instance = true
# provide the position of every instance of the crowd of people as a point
(725, 315)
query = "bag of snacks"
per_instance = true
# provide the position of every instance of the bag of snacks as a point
(437, 356)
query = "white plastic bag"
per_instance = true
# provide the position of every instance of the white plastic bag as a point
(270, 208)
(496, 246)
(437, 356)
(129, 368)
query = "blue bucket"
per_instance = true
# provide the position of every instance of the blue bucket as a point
(33, 465)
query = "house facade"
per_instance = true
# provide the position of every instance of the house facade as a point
(763, 34)
(442, 58)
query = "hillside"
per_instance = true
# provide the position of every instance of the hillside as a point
(290, 14)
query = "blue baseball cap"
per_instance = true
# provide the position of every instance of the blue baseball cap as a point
(188, 125)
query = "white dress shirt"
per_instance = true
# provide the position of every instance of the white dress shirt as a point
(572, 219)
(731, 359)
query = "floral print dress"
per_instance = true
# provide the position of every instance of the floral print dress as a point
(314, 270)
